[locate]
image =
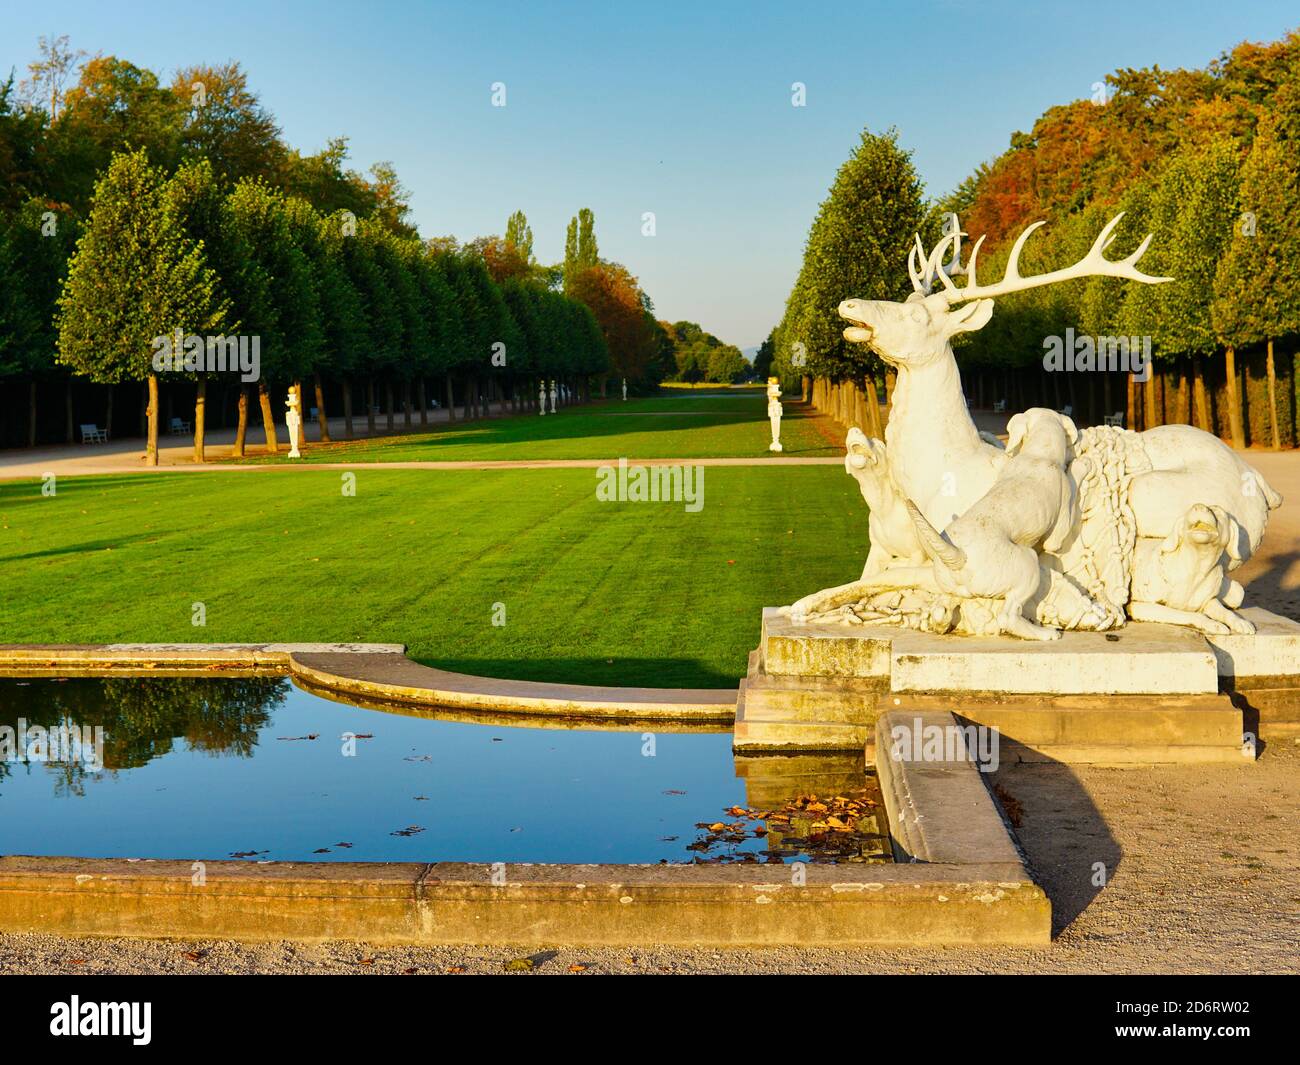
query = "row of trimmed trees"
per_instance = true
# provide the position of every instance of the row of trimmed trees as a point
(1205, 160)
(331, 298)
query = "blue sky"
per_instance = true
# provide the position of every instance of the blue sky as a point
(683, 109)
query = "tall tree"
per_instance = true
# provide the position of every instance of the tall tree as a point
(225, 123)
(1257, 286)
(136, 277)
(519, 235)
(857, 246)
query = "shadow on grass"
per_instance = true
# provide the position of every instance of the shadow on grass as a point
(601, 672)
(80, 549)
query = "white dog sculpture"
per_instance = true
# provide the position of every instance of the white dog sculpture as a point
(894, 539)
(991, 551)
(1181, 580)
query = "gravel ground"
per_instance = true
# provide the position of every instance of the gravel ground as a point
(1201, 868)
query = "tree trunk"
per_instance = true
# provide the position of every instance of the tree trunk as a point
(1131, 407)
(241, 429)
(347, 409)
(108, 414)
(151, 446)
(370, 406)
(423, 398)
(1272, 398)
(268, 418)
(406, 405)
(451, 399)
(873, 410)
(200, 416)
(67, 398)
(1234, 400)
(1149, 398)
(1199, 397)
(465, 399)
(31, 414)
(388, 404)
(320, 410)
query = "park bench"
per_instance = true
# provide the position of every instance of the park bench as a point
(178, 427)
(1067, 410)
(999, 406)
(1116, 419)
(93, 434)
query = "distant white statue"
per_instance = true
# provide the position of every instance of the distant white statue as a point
(1059, 529)
(554, 392)
(541, 399)
(774, 412)
(293, 419)
(625, 390)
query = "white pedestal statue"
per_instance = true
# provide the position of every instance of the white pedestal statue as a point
(774, 412)
(553, 395)
(541, 400)
(293, 420)
(625, 390)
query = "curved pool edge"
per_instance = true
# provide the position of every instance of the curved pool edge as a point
(376, 672)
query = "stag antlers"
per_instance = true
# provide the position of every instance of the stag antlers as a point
(1094, 264)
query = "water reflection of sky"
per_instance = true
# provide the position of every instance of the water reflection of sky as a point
(478, 793)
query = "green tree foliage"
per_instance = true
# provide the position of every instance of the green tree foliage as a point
(1257, 286)
(225, 123)
(857, 247)
(519, 235)
(161, 279)
(1192, 211)
(293, 346)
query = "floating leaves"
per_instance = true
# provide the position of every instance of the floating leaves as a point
(840, 828)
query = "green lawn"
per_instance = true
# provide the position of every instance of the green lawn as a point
(688, 425)
(604, 593)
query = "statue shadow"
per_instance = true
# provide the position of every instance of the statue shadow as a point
(1065, 839)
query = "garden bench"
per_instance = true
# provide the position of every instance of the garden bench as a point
(178, 427)
(1067, 410)
(1116, 419)
(999, 406)
(93, 434)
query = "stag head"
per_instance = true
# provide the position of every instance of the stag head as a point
(916, 331)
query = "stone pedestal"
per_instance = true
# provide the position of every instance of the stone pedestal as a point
(1147, 693)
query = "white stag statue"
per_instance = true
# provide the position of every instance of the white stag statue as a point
(1059, 529)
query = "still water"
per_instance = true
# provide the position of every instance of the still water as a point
(255, 768)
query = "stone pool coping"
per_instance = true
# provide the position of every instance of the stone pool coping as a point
(959, 881)
(377, 672)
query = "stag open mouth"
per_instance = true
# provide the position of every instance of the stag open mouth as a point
(859, 332)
